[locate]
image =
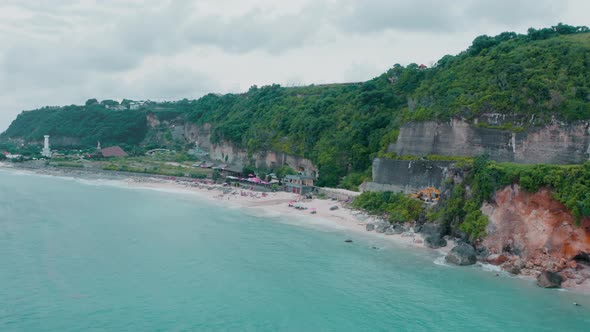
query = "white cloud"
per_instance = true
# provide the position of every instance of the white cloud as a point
(66, 51)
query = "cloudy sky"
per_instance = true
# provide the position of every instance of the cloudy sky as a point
(57, 52)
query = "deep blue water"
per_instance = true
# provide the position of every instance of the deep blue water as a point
(80, 255)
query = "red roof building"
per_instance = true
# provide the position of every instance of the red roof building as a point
(113, 151)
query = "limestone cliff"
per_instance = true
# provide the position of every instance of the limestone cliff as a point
(228, 152)
(556, 143)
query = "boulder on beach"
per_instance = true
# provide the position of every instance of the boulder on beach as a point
(335, 207)
(548, 279)
(461, 254)
(431, 229)
(435, 242)
(398, 229)
(370, 227)
(482, 253)
(389, 231)
(380, 228)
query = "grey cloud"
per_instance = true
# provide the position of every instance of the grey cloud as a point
(255, 30)
(366, 16)
(515, 12)
(378, 15)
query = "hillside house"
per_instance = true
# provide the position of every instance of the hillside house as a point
(113, 151)
(299, 184)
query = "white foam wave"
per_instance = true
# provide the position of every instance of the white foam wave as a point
(489, 267)
(441, 261)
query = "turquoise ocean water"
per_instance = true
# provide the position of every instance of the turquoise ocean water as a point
(88, 255)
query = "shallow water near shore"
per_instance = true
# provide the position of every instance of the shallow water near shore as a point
(90, 255)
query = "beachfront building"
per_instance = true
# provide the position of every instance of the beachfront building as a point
(299, 184)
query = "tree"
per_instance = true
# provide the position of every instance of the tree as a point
(282, 171)
(91, 102)
(109, 102)
(247, 170)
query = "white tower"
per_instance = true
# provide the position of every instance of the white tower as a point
(46, 152)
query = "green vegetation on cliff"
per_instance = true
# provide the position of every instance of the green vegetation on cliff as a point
(398, 207)
(82, 125)
(341, 127)
(535, 76)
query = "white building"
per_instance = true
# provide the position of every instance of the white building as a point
(46, 151)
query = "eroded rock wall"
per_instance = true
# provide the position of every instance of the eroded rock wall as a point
(556, 143)
(536, 228)
(228, 152)
(406, 175)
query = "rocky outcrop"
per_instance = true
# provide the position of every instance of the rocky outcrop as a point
(536, 233)
(555, 143)
(548, 279)
(430, 229)
(152, 120)
(535, 227)
(496, 259)
(380, 228)
(435, 242)
(461, 254)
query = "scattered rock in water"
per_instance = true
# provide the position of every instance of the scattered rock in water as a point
(375, 248)
(370, 227)
(496, 259)
(548, 279)
(434, 242)
(348, 241)
(335, 207)
(461, 254)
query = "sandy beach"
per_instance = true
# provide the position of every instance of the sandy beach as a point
(281, 203)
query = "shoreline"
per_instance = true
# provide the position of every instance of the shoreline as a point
(276, 203)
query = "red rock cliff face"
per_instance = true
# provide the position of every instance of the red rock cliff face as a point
(537, 228)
